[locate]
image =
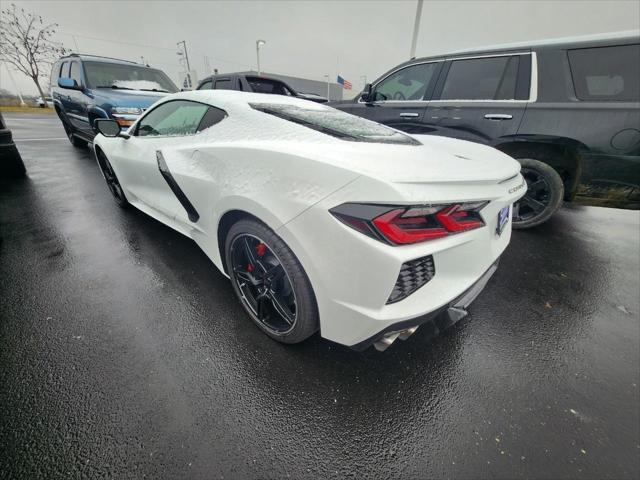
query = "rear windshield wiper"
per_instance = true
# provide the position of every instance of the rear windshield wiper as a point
(114, 87)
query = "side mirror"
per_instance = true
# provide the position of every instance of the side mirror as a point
(68, 83)
(367, 94)
(108, 127)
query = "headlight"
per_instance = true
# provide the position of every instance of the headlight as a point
(126, 110)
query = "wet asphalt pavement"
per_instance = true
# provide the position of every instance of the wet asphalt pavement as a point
(124, 354)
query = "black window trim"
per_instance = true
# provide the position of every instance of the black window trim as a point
(439, 82)
(533, 78)
(137, 124)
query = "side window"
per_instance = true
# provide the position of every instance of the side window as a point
(490, 78)
(55, 74)
(410, 83)
(178, 117)
(223, 84)
(75, 72)
(64, 70)
(208, 85)
(214, 115)
(606, 73)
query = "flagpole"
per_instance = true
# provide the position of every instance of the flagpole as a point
(328, 94)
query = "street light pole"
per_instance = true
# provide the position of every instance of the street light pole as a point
(186, 55)
(416, 28)
(259, 43)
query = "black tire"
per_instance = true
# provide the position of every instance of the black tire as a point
(111, 179)
(306, 321)
(545, 192)
(75, 141)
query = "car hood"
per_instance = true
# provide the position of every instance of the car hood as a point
(129, 98)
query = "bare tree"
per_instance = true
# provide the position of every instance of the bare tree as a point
(26, 43)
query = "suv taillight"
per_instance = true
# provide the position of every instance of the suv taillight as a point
(401, 225)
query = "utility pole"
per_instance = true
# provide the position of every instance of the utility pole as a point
(207, 66)
(22, 104)
(416, 29)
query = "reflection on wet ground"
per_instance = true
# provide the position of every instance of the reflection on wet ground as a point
(124, 354)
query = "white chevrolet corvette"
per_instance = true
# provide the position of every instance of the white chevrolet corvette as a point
(322, 220)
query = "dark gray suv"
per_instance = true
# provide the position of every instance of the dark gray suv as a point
(568, 110)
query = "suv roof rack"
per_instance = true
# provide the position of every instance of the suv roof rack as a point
(101, 56)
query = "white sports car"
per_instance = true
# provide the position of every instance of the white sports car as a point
(322, 220)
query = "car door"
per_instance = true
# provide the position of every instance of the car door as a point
(400, 98)
(77, 105)
(480, 99)
(167, 126)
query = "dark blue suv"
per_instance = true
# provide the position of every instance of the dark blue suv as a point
(87, 87)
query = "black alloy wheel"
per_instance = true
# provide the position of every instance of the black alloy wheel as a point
(545, 191)
(112, 180)
(264, 286)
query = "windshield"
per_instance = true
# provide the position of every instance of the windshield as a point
(127, 77)
(337, 123)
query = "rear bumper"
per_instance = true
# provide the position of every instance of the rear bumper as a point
(436, 321)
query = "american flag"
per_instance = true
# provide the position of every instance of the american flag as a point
(346, 84)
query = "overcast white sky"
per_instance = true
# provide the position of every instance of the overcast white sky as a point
(313, 38)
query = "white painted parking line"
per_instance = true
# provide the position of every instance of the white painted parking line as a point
(38, 139)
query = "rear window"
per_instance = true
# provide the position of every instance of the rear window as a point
(606, 73)
(336, 123)
(265, 85)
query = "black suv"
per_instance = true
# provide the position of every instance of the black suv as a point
(254, 83)
(568, 110)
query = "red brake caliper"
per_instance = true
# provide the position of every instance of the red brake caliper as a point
(261, 249)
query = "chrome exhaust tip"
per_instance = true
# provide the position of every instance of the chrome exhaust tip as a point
(386, 341)
(408, 332)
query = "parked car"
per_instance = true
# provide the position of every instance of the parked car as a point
(11, 164)
(568, 110)
(87, 87)
(46, 103)
(256, 84)
(323, 220)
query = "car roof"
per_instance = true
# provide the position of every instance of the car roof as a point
(233, 100)
(241, 74)
(98, 58)
(600, 39)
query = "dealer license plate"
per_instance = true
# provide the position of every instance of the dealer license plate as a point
(503, 218)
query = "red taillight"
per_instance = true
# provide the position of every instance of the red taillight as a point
(455, 219)
(406, 230)
(402, 225)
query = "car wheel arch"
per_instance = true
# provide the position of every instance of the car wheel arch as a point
(563, 155)
(226, 221)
